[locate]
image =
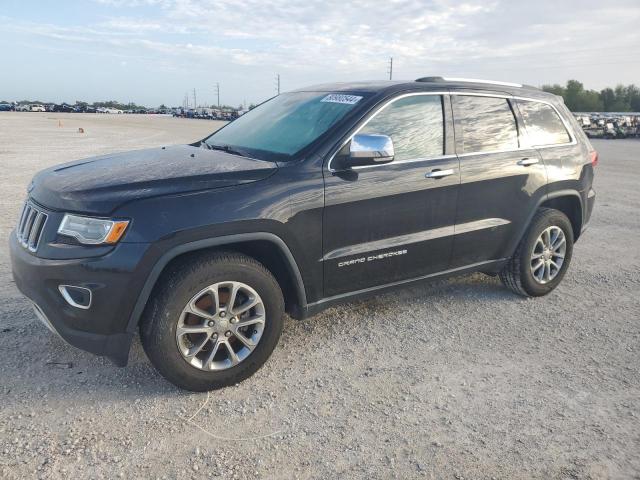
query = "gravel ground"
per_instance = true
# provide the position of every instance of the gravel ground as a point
(453, 379)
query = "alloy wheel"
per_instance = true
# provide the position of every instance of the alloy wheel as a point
(220, 326)
(548, 254)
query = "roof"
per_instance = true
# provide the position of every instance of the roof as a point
(423, 83)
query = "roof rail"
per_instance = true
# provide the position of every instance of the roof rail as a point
(430, 79)
(468, 80)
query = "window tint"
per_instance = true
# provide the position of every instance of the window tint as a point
(415, 124)
(487, 123)
(543, 125)
(285, 124)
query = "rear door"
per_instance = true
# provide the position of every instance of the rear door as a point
(392, 222)
(501, 178)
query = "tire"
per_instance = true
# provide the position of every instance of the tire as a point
(167, 309)
(517, 274)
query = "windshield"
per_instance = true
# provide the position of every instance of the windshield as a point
(284, 125)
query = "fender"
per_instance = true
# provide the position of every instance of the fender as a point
(544, 198)
(215, 242)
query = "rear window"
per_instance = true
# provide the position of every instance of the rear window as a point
(544, 126)
(487, 124)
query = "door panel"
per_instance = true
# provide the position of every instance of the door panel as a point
(496, 195)
(387, 224)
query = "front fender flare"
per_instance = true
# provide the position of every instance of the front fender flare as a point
(172, 253)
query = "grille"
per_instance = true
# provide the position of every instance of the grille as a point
(31, 226)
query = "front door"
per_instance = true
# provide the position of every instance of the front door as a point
(388, 223)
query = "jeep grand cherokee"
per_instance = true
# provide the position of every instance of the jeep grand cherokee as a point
(317, 196)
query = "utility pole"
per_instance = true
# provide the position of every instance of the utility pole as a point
(278, 83)
(390, 68)
(218, 93)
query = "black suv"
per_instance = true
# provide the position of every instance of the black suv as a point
(317, 196)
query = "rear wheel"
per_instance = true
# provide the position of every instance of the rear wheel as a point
(213, 321)
(542, 257)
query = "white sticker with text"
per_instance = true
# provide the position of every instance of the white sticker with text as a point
(340, 98)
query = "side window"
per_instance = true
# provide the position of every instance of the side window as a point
(543, 125)
(415, 124)
(487, 124)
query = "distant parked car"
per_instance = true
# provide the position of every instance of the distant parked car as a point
(108, 110)
(38, 108)
(64, 108)
(6, 107)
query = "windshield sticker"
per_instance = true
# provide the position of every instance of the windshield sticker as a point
(340, 98)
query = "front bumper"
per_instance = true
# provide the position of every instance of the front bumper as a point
(114, 279)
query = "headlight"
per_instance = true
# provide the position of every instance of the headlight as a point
(92, 231)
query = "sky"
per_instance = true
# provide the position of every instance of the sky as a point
(155, 51)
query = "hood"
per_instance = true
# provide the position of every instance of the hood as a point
(98, 185)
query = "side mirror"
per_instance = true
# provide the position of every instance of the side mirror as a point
(370, 149)
(366, 149)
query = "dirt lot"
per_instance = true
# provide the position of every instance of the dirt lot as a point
(455, 379)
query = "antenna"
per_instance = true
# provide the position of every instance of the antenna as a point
(278, 83)
(218, 93)
(195, 103)
(390, 68)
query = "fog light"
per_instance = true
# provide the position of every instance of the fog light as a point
(79, 297)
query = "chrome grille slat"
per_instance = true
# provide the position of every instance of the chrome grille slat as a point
(27, 226)
(36, 229)
(23, 220)
(30, 226)
(24, 211)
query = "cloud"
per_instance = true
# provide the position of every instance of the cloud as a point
(312, 40)
(359, 35)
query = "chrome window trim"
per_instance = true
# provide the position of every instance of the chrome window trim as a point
(564, 122)
(461, 155)
(400, 162)
(372, 116)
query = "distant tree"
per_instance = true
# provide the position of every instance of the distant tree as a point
(608, 97)
(633, 95)
(619, 99)
(555, 89)
(29, 102)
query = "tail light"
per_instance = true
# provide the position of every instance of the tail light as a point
(594, 158)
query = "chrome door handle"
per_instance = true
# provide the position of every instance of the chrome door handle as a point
(525, 162)
(439, 173)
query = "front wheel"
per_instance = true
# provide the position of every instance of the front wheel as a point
(213, 321)
(542, 257)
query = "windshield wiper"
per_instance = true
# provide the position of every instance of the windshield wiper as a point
(224, 148)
